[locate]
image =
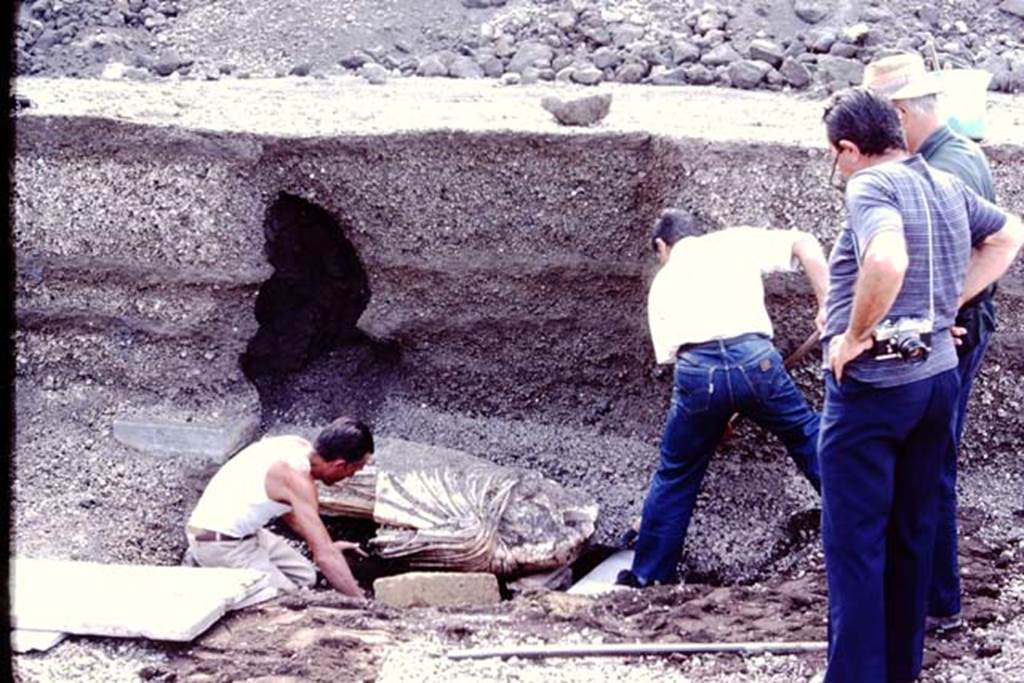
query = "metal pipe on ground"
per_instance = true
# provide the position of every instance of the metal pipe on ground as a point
(640, 649)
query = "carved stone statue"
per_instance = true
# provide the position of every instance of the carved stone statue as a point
(445, 509)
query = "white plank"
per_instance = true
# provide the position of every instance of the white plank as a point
(601, 579)
(89, 598)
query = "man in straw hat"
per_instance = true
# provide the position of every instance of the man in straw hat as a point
(914, 93)
(916, 243)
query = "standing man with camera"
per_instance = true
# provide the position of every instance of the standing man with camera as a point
(917, 243)
(914, 93)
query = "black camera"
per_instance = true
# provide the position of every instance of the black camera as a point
(908, 339)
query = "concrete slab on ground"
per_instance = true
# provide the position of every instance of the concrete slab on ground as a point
(216, 441)
(437, 589)
(129, 601)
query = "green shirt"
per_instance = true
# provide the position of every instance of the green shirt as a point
(955, 154)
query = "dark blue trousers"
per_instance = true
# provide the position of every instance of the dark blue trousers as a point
(880, 454)
(944, 594)
(711, 384)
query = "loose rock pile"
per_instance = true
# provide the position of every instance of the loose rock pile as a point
(821, 45)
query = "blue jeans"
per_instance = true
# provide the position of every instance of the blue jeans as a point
(944, 593)
(711, 384)
(880, 453)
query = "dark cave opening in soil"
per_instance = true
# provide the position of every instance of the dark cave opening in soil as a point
(309, 360)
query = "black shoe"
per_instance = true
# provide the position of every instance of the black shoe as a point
(627, 578)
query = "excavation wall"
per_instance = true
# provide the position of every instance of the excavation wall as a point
(445, 263)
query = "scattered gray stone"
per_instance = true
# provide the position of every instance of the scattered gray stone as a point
(531, 54)
(928, 14)
(698, 74)
(709, 21)
(677, 76)
(795, 73)
(844, 50)
(710, 39)
(473, 4)
(722, 55)
(47, 39)
(767, 51)
(354, 60)
(155, 20)
(374, 73)
(167, 62)
(432, 66)
(465, 67)
(491, 66)
(812, 11)
(876, 14)
(774, 79)
(1014, 7)
(1002, 74)
(840, 72)
(215, 441)
(587, 75)
(856, 34)
(632, 72)
(625, 34)
(114, 71)
(683, 51)
(584, 111)
(820, 39)
(511, 79)
(301, 69)
(564, 21)
(561, 61)
(603, 58)
(531, 74)
(748, 73)
(505, 46)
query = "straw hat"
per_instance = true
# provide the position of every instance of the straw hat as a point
(902, 77)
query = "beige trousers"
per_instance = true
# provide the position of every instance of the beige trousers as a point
(267, 552)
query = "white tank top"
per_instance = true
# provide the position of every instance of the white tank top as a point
(235, 501)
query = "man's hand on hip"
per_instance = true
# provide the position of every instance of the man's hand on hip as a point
(842, 349)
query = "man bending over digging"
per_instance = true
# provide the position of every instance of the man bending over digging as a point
(275, 477)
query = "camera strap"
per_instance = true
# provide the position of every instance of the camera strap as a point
(931, 258)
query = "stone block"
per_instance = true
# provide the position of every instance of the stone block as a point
(437, 589)
(214, 441)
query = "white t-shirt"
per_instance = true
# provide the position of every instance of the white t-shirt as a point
(711, 287)
(235, 501)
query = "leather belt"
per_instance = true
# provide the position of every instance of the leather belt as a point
(207, 535)
(713, 343)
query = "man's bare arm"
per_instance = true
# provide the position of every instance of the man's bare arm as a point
(991, 258)
(808, 251)
(298, 490)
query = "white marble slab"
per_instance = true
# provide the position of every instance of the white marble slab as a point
(131, 601)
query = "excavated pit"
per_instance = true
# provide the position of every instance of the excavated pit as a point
(309, 360)
(445, 262)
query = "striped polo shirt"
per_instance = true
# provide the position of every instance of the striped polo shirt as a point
(900, 196)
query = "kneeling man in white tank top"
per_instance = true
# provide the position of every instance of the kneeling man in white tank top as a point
(275, 477)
